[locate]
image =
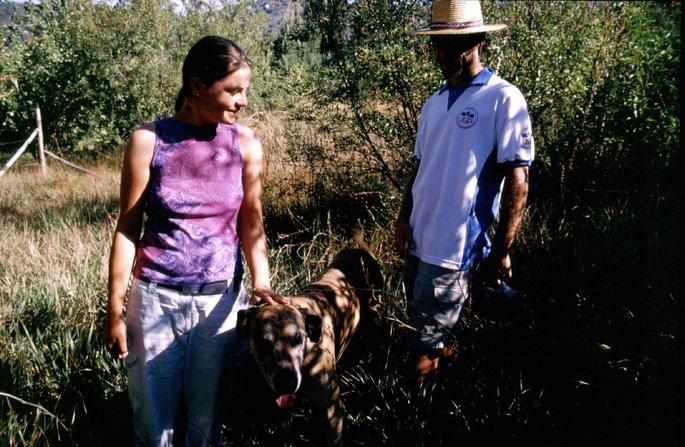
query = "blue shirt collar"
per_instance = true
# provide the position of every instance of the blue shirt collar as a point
(481, 78)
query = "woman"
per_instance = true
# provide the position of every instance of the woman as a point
(196, 179)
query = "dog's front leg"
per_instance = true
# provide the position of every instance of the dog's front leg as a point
(335, 415)
(325, 398)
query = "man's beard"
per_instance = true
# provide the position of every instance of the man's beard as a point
(457, 71)
(452, 72)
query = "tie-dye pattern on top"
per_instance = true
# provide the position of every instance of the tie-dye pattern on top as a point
(193, 200)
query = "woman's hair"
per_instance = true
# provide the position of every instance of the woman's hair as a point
(210, 59)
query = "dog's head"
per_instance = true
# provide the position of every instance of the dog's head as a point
(277, 336)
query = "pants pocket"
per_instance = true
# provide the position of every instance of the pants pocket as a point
(450, 288)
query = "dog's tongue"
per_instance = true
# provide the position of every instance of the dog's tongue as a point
(285, 401)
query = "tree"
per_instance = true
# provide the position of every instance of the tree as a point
(100, 69)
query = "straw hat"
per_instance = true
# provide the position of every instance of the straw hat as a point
(457, 17)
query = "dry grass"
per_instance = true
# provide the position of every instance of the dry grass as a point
(55, 233)
(58, 384)
(53, 225)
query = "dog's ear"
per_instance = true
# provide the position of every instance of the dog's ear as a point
(312, 325)
(241, 327)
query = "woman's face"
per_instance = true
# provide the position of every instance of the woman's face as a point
(221, 101)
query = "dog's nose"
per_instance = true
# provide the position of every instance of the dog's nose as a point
(285, 381)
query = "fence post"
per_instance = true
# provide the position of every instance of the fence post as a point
(41, 147)
(21, 150)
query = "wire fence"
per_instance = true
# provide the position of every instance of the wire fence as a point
(37, 133)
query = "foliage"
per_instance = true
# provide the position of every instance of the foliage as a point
(99, 69)
(373, 73)
(589, 359)
(602, 83)
(601, 79)
(586, 68)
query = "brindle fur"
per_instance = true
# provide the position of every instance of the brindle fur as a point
(326, 315)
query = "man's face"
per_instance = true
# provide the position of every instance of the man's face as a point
(456, 54)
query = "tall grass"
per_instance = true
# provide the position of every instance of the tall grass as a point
(54, 238)
(590, 358)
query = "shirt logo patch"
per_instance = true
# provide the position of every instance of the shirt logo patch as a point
(467, 117)
(526, 140)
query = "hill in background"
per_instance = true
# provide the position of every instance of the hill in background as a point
(279, 12)
(6, 11)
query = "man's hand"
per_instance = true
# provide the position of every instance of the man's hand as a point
(403, 239)
(497, 266)
(115, 336)
(495, 269)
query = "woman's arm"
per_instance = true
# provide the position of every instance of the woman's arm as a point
(135, 175)
(251, 225)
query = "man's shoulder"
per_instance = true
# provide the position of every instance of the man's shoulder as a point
(502, 88)
(497, 82)
(436, 95)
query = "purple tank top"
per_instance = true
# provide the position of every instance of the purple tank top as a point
(193, 199)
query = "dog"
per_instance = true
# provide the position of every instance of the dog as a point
(297, 346)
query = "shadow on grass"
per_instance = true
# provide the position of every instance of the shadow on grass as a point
(342, 214)
(81, 212)
(103, 420)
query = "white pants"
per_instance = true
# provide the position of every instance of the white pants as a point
(178, 341)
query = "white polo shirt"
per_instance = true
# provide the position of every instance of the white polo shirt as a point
(466, 137)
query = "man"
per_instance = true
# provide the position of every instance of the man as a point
(474, 145)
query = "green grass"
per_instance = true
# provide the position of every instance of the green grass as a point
(54, 233)
(590, 360)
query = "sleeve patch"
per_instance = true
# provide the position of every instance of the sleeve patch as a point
(526, 140)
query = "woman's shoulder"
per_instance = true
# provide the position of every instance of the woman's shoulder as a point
(246, 133)
(144, 133)
(142, 141)
(248, 138)
(163, 125)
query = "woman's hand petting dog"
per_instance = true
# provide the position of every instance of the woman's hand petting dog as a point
(267, 296)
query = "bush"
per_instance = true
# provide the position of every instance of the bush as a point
(591, 359)
(598, 252)
(601, 80)
(98, 69)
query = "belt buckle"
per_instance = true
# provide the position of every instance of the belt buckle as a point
(191, 290)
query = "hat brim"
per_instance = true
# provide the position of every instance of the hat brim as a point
(447, 31)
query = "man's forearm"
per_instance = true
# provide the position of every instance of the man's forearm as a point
(407, 199)
(512, 207)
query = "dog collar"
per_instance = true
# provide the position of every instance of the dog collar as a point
(257, 306)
